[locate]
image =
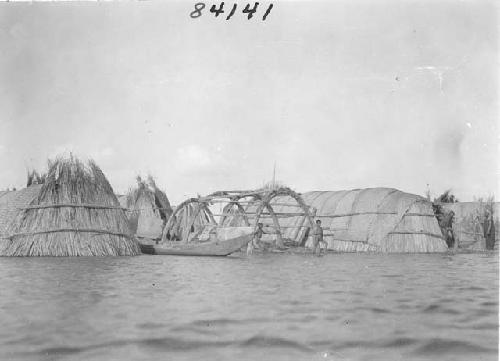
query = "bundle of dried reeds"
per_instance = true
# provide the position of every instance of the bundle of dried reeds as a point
(148, 192)
(148, 209)
(75, 214)
(33, 177)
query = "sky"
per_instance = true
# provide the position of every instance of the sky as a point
(338, 94)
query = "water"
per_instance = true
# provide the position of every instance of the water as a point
(267, 307)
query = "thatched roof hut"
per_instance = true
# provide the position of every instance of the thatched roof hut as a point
(373, 219)
(74, 213)
(11, 203)
(148, 208)
(359, 220)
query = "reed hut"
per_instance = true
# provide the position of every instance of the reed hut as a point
(469, 220)
(148, 209)
(11, 204)
(73, 213)
(359, 220)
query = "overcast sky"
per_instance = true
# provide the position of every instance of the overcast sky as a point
(339, 94)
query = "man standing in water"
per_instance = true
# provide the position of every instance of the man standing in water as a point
(318, 237)
(255, 242)
(446, 225)
(489, 231)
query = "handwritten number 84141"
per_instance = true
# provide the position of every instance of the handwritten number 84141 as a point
(218, 10)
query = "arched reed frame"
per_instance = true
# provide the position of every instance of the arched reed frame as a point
(265, 203)
(234, 201)
(261, 198)
(172, 221)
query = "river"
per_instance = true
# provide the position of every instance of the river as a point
(263, 307)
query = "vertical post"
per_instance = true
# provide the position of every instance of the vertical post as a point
(191, 223)
(274, 175)
(243, 214)
(311, 228)
(225, 211)
(299, 227)
(455, 238)
(210, 215)
(279, 239)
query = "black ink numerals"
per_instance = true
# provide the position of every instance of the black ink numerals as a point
(217, 10)
(196, 13)
(232, 12)
(267, 12)
(251, 11)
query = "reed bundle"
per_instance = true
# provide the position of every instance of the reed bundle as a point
(148, 208)
(156, 199)
(75, 214)
(33, 177)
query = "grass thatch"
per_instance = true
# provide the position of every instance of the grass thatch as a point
(272, 186)
(148, 208)
(33, 178)
(75, 214)
(360, 220)
(11, 204)
(150, 191)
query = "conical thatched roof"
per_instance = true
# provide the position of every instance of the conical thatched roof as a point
(75, 213)
(148, 208)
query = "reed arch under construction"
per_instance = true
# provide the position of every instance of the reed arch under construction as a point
(193, 217)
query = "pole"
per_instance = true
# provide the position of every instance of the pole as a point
(274, 175)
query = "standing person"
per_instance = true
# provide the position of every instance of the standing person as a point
(255, 242)
(489, 231)
(446, 224)
(318, 237)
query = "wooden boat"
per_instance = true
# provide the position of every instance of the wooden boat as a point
(227, 241)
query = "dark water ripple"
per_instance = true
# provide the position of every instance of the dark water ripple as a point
(440, 309)
(439, 347)
(267, 307)
(176, 344)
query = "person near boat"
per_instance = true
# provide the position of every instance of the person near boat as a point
(318, 237)
(256, 240)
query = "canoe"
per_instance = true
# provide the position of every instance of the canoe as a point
(227, 241)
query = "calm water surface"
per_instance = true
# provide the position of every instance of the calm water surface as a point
(266, 307)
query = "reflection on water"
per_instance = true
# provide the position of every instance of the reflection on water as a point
(267, 307)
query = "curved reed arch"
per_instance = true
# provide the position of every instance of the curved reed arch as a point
(266, 203)
(175, 218)
(181, 219)
(226, 211)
